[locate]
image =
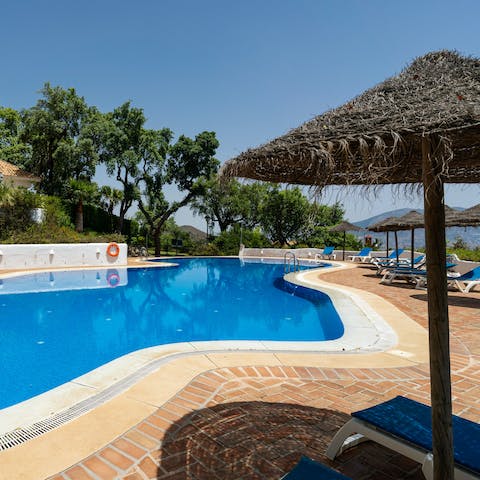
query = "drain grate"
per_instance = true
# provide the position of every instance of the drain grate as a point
(23, 434)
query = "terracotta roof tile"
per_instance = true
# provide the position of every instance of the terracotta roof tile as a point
(10, 170)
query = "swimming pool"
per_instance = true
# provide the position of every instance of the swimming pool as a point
(56, 333)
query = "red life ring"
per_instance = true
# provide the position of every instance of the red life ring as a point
(113, 279)
(113, 249)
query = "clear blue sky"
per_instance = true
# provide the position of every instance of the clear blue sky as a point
(248, 70)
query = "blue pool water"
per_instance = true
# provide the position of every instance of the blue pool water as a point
(55, 332)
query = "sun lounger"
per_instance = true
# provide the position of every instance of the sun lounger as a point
(418, 262)
(363, 255)
(416, 276)
(410, 275)
(307, 469)
(404, 425)
(467, 281)
(327, 253)
(387, 260)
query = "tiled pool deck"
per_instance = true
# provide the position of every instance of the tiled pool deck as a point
(251, 415)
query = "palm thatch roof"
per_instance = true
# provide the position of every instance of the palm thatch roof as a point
(345, 227)
(470, 216)
(414, 219)
(376, 138)
(410, 220)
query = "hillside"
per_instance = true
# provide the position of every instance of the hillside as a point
(196, 234)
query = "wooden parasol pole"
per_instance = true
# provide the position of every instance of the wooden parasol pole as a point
(440, 381)
(413, 243)
(396, 246)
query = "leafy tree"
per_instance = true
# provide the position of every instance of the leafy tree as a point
(459, 244)
(228, 243)
(283, 214)
(189, 163)
(253, 197)
(79, 192)
(229, 203)
(12, 149)
(7, 197)
(16, 205)
(63, 134)
(109, 198)
(133, 154)
(316, 231)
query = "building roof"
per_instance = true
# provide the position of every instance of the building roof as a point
(9, 170)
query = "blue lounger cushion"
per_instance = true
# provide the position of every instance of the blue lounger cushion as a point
(411, 420)
(307, 469)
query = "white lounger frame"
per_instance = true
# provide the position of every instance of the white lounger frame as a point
(321, 256)
(362, 258)
(356, 431)
(464, 286)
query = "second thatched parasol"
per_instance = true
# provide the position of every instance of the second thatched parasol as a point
(345, 227)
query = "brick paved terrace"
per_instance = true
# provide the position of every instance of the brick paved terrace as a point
(255, 421)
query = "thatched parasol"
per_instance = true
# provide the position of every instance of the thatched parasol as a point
(380, 227)
(469, 217)
(413, 220)
(345, 227)
(421, 126)
(409, 221)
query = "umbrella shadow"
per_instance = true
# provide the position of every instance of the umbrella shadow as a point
(250, 440)
(455, 301)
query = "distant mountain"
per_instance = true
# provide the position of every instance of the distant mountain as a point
(195, 233)
(382, 216)
(471, 235)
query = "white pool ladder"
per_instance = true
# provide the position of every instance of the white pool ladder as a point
(290, 263)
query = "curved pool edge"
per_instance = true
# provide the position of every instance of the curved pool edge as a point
(388, 345)
(398, 334)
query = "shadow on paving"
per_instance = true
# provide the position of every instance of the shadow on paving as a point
(258, 440)
(453, 301)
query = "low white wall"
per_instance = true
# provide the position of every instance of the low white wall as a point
(462, 266)
(27, 256)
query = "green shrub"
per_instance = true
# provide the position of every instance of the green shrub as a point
(16, 206)
(228, 243)
(51, 233)
(206, 249)
(466, 254)
(17, 226)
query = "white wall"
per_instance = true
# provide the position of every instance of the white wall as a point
(27, 256)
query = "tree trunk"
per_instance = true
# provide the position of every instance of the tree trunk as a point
(223, 225)
(121, 216)
(79, 216)
(156, 239)
(440, 381)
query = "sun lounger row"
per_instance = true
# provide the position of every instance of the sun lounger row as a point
(418, 262)
(365, 256)
(465, 283)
